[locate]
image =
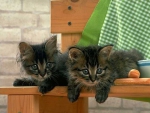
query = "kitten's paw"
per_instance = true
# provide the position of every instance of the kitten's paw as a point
(24, 82)
(45, 88)
(73, 96)
(18, 82)
(101, 97)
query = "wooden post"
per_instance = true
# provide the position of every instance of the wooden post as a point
(59, 104)
(68, 40)
(23, 104)
(45, 104)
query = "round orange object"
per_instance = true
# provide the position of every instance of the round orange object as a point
(134, 73)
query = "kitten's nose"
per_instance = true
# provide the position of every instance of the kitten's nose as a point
(93, 78)
(42, 73)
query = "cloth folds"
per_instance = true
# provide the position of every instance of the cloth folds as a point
(91, 32)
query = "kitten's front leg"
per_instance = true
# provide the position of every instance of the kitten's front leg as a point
(103, 88)
(46, 85)
(73, 92)
(102, 94)
(24, 82)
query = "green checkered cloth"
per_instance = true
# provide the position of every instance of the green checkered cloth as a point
(127, 26)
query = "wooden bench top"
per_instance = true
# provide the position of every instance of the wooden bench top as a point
(137, 87)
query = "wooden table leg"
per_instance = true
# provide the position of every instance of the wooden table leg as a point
(55, 104)
(45, 104)
(23, 104)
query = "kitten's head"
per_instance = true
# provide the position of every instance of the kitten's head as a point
(39, 60)
(88, 64)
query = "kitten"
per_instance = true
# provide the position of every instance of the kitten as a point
(40, 63)
(59, 75)
(96, 68)
(121, 62)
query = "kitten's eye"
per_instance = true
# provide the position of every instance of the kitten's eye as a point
(85, 71)
(99, 71)
(50, 65)
(35, 67)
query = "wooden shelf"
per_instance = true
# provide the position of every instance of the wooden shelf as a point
(130, 88)
(29, 100)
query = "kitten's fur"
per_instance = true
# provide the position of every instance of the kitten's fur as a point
(96, 68)
(121, 62)
(59, 75)
(40, 62)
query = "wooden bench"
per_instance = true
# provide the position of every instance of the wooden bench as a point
(70, 23)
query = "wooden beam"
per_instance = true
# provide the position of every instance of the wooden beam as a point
(68, 40)
(78, 15)
(116, 91)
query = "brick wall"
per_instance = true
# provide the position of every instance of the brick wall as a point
(117, 105)
(29, 20)
(20, 20)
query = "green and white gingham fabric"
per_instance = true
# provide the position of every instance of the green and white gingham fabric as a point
(127, 26)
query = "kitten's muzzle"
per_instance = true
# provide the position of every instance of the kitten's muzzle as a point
(42, 73)
(93, 78)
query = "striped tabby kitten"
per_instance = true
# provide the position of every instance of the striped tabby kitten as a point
(41, 62)
(96, 68)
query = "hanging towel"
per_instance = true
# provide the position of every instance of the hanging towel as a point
(127, 26)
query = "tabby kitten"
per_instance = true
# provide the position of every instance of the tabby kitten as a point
(121, 62)
(96, 68)
(40, 63)
(59, 76)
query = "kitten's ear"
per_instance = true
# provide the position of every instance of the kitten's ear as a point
(106, 51)
(75, 54)
(51, 45)
(24, 47)
(52, 42)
